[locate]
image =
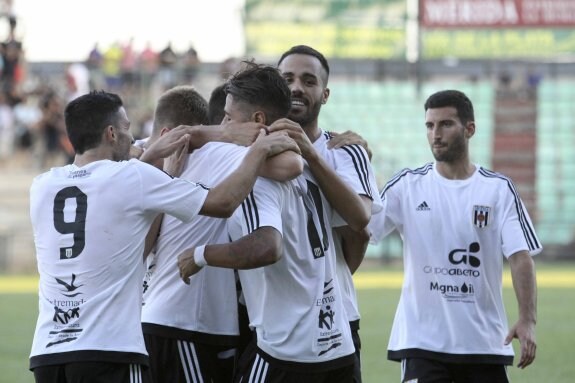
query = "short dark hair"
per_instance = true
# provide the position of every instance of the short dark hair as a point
(87, 116)
(216, 105)
(307, 50)
(180, 105)
(262, 86)
(454, 98)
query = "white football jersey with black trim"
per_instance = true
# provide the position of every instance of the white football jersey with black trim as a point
(455, 234)
(294, 305)
(209, 303)
(89, 227)
(352, 165)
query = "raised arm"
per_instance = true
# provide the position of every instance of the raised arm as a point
(525, 286)
(350, 206)
(224, 198)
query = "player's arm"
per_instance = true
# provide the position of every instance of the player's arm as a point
(224, 198)
(260, 248)
(152, 235)
(354, 245)
(525, 286)
(356, 211)
(284, 166)
(353, 208)
(174, 165)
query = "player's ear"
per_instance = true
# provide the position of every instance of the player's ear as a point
(164, 130)
(469, 129)
(110, 133)
(325, 95)
(259, 117)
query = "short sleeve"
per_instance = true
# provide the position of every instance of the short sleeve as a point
(352, 165)
(174, 196)
(517, 232)
(262, 207)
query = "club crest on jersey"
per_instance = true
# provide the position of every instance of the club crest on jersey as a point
(481, 216)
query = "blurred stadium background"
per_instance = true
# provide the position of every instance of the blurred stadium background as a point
(514, 58)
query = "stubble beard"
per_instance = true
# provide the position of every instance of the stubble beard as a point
(454, 152)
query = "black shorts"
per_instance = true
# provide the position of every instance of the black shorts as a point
(256, 366)
(173, 360)
(417, 370)
(354, 326)
(92, 372)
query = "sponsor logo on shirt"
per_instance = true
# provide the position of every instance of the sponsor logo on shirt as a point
(453, 291)
(330, 337)
(66, 313)
(423, 207)
(82, 173)
(463, 257)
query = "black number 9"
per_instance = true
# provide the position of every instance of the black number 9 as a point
(76, 227)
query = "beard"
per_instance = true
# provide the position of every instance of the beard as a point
(306, 117)
(454, 152)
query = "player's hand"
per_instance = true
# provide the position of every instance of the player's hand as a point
(275, 143)
(348, 138)
(136, 151)
(187, 265)
(525, 332)
(241, 133)
(295, 131)
(166, 144)
(174, 163)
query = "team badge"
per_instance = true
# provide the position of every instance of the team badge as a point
(481, 216)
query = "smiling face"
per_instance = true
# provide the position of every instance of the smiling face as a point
(448, 138)
(306, 79)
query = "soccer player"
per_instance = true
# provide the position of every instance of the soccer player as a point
(307, 72)
(191, 332)
(90, 219)
(458, 221)
(294, 302)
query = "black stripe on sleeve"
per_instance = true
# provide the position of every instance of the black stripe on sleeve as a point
(527, 229)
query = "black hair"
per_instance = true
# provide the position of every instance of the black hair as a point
(216, 105)
(307, 50)
(262, 86)
(87, 116)
(454, 98)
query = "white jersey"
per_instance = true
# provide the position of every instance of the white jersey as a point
(455, 235)
(208, 305)
(351, 163)
(89, 228)
(294, 305)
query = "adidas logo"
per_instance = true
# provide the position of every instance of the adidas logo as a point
(423, 207)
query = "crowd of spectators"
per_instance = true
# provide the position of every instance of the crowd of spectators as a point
(32, 131)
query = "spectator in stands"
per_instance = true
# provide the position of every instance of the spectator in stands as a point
(12, 73)
(7, 128)
(148, 62)
(51, 140)
(94, 64)
(128, 66)
(191, 64)
(167, 60)
(112, 67)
